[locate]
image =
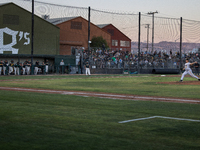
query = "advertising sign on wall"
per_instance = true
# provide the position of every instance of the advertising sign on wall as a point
(16, 36)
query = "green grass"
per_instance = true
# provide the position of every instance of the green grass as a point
(50, 121)
(137, 85)
(53, 121)
(67, 76)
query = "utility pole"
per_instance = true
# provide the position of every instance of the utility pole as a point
(147, 26)
(88, 30)
(139, 36)
(152, 13)
(181, 36)
(32, 34)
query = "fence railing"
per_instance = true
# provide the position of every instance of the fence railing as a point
(39, 70)
(99, 64)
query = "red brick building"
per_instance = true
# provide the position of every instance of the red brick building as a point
(119, 41)
(74, 33)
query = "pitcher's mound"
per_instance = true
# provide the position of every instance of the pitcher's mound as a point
(182, 83)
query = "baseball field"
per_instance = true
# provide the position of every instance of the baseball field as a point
(99, 112)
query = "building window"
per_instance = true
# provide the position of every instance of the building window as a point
(114, 43)
(125, 43)
(76, 25)
(111, 31)
(10, 19)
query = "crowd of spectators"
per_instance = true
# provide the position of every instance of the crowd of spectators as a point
(124, 59)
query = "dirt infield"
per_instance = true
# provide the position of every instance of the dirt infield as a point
(106, 95)
(182, 83)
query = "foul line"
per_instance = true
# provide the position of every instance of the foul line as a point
(139, 119)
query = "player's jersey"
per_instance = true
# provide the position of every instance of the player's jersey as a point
(187, 66)
(12, 64)
(87, 65)
(1, 64)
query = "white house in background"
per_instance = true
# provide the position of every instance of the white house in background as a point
(195, 50)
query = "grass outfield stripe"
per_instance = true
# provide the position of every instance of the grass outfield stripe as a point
(139, 119)
(177, 118)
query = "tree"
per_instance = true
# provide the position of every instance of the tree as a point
(99, 42)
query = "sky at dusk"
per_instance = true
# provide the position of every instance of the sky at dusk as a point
(188, 9)
(125, 16)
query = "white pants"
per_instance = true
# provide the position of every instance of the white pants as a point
(87, 71)
(10, 69)
(46, 69)
(24, 70)
(27, 70)
(17, 71)
(0, 70)
(36, 70)
(188, 71)
(4, 70)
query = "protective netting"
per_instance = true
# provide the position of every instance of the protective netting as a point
(166, 30)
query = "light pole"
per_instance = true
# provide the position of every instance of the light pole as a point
(152, 13)
(147, 26)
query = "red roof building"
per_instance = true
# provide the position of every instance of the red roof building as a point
(74, 33)
(119, 41)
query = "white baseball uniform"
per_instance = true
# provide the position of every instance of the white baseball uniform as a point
(188, 70)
